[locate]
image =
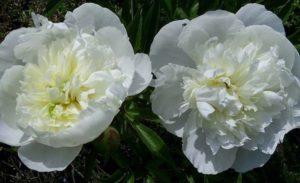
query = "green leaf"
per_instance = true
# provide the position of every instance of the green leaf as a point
(168, 5)
(190, 179)
(52, 6)
(90, 163)
(127, 11)
(120, 159)
(239, 179)
(117, 176)
(130, 179)
(298, 47)
(153, 166)
(135, 31)
(149, 179)
(295, 37)
(150, 25)
(180, 14)
(194, 10)
(206, 179)
(206, 5)
(153, 142)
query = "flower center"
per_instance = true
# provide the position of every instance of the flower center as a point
(212, 93)
(234, 91)
(63, 82)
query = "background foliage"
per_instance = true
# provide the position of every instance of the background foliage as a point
(138, 149)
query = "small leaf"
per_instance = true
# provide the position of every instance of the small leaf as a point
(149, 179)
(52, 6)
(168, 5)
(206, 179)
(179, 13)
(155, 171)
(117, 176)
(239, 179)
(130, 179)
(298, 47)
(150, 25)
(90, 163)
(194, 10)
(190, 179)
(135, 31)
(153, 142)
(295, 37)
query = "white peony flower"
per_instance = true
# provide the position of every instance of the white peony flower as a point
(62, 84)
(228, 84)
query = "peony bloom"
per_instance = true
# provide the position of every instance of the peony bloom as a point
(62, 84)
(228, 84)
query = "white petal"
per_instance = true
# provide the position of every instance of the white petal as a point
(11, 136)
(127, 66)
(32, 42)
(212, 25)
(256, 14)
(200, 154)
(93, 121)
(7, 57)
(42, 22)
(248, 160)
(296, 117)
(176, 125)
(269, 38)
(296, 66)
(164, 47)
(142, 75)
(275, 133)
(167, 98)
(205, 109)
(114, 38)
(93, 16)
(9, 87)
(45, 158)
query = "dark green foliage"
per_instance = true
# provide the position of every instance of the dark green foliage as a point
(147, 152)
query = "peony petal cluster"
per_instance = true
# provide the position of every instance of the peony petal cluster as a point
(62, 84)
(228, 84)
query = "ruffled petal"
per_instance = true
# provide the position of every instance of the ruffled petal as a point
(142, 75)
(269, 38)
(274, 134)
(248, 160)
(114, 38)
(201, 156)
(164, 47)
(11, 136)
(256, 14)
(167, 98)
(92, 122)
(46, 159)
(9, 87)
(94, 17)
(205, 28)
(176, 125)
(296, 66)
(7, 57)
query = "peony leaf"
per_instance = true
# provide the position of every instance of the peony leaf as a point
(52, 6)
(153, 142)
(239, 179)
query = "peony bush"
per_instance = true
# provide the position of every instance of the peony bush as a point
(223, 96)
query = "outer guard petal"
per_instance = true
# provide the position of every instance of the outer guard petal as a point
(256, 14)
(45, 158)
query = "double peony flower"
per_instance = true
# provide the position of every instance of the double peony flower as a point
(228, 84)
(62, 84)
